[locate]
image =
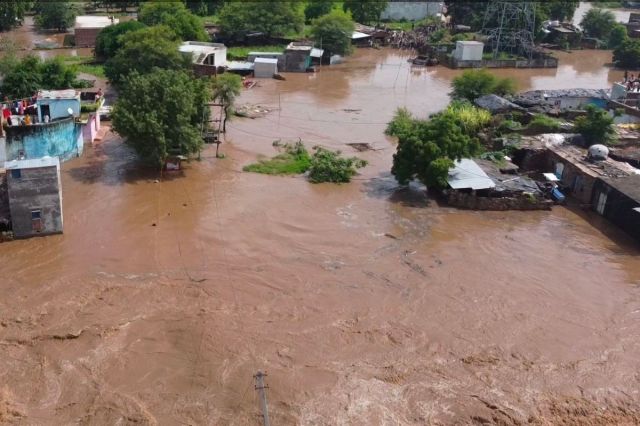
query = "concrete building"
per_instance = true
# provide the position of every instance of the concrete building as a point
(86, 29)
(298, 57)
(619, 201)
(265, 67)
(56, 104)
(280, 56)
(468, 51)
(35, 196)
(411, 10)
(206, 57)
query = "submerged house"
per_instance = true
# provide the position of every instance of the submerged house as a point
(86, 29)
(298, 56)
(35, 196)
(206, 57)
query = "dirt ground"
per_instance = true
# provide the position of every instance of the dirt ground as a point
(366, 303)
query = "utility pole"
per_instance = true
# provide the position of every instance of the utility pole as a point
(262, 394)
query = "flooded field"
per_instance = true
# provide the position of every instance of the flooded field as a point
(365, 303)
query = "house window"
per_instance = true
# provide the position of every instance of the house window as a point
(602, 202)
(36, 220)
(16, 173)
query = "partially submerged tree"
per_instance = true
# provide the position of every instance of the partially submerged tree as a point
(475, 83)
(12, 13)
(627, 55)
(226, 88)
(598, 23)
(160, 114)
(109, 39)
(365, 11)
(56, 15)
(273, 18)
(427, 148)
(596, 126)
(331, 166)
(144, 50)
(617, 36)
(174, 15)
(333, 31)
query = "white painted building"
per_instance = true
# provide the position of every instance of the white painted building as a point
(468, 51)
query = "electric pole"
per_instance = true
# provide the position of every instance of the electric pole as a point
(262, 394)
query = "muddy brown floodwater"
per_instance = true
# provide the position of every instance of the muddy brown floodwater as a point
(366, 303)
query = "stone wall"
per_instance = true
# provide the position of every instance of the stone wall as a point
(468, 201)
(35, 189)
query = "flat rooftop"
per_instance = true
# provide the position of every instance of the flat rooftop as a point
(88, 21)
(299, 46)
(59, 94)
(32, 163)
(199, 47)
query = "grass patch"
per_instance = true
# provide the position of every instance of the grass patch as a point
(293, 160)
(86, 65)
(242, 52)
(544, 123)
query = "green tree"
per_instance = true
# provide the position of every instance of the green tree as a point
(146, 49)
(466, 13)
(57, 15)
(56, 75)
(226, 88)
(25, 77)
(109, 39)
(365, 11)
(317, 8)
(330, 166)
(174, 15)
(160, 114)
(598, 23)
(428, 148)
(617, 36)
(333, 32)
(12, 13)
(560, 10)
(596, 126)
(273, 18)
(475, 83)
(204, 7)
(627, 55)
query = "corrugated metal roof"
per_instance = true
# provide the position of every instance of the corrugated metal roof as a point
(317, 53)
(88, 21)
(358, 35)
(466, 174)
(240, 65)
(32, 163)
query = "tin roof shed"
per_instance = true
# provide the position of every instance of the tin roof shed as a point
(466, 174)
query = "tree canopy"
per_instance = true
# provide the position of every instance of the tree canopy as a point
(146, 49)
(365, 11)
(627, 55)
(333, 32)
(204, 7)
(317, 8)
(273, 18)
(598, 23)
(427, 148)
(30, 74)
(617, 36)
(57, 15)
(12, 13)
(160, 114)
(475, 83)
(174, 15)
(109, 39)
(596, 126)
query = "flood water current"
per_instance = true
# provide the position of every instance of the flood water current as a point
(365, 303)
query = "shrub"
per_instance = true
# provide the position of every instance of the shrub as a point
(470, 118)
(475, 83)
(596, 126)
(544, 123)
(329, 166)
(401, 123)
(294, 160)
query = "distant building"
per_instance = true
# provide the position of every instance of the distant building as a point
(468, 51)
(265, 67)
(298, 56)
(206, 57)
(57, 104)
(619, 201)
(35, 196)
(87, 28)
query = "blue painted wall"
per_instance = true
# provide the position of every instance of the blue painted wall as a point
(59, 108)
(61, 139)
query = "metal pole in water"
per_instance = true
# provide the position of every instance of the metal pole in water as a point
(262, 394)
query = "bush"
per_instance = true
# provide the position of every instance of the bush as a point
(627, 55)
(294, 160)
(475, 83)
(401, 124)
(333, 32)
(176, 16)
(469, 117)
(596, 126)
(598, 23)
(329, 166)
(544, 123)
(30, 74)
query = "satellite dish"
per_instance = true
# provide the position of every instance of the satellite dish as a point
(70, 111)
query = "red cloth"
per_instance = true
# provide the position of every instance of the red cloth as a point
(6, 113)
